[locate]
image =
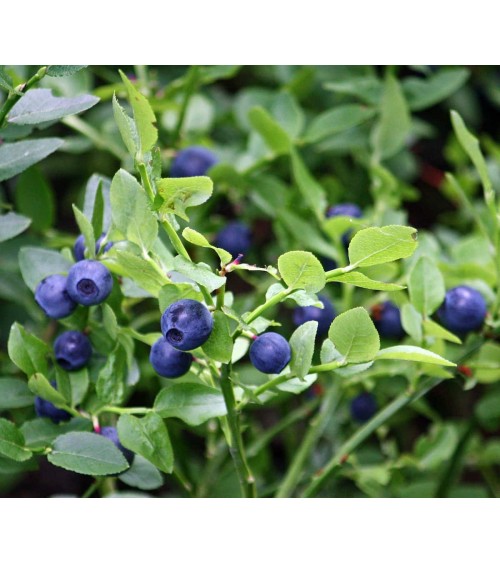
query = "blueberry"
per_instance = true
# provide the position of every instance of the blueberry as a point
(192, 161)
(387, 320)
(53, 298)
(49, 410)
(270, 352)
(111, 433)
(463, 309)
(186, 324)
(324, 316)
(72, 350)
(79, 246)
(345, 209)
(235, 237)
(89, 282)
(167, 361)
(363, 407)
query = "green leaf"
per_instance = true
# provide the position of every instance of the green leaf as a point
(423, 93)
(173, 292)
(302, 270)
(97, 218)
(5, 80)
(180, 193)
(360, 280)
(40, 106)
(487, 410)
(437, 447)
(486, 365)
(87, 453)
(312, 192)
(219, 345)
(144, 274)
(196, 238)
(38, 263)
(335, 227)
(40, 386)
(379, 245)
(200, 273)
(470, 144)
(392, 130)
(131, 210)
(412, 354)
(28, 352)
(127, 128)
(191, 402)
(411, 320)
(337, 120)
(79, 384)
(366, 88)
(433, 329)
(111, 382)
(142, 475)
(148, 437)
(144, 116)
(12, 442)
(302, 345)
(355, 336)
(14, 393)
(16, 157)
(109, 321)
(87, 231)
(12, 224)
(91, 203)
(426, 286)
(35, 199)
(64, 70)
(275, 137)
(287, 112)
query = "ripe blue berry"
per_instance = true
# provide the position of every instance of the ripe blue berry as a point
(111, 433)
(79, 246)
(192, 161)
(72, 350)
(324, 316)
(387, 320)
(363, 407)
(463, 309)
(186, 324)
(270, 352)
(52, 296)
(235, 237)
(47, 409)
(89, 282)
(167, 361)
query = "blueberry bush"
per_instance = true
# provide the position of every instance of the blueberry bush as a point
(221, 281)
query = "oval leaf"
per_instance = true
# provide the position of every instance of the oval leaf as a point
(302, 270)
(426, 286)
(12, 442)
(302, 345)
(12, 224)
(16, 157)
(412, 354)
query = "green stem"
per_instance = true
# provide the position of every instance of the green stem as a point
(16, 94)
(93, 488)
(107, 486)
(191, 83)
(146, 182)
(268, 304)
(182, 480)
(236, 449)
(333, 466)
(316, 428)
(124, 410)
(326, 367)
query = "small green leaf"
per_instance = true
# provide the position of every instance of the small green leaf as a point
(12, 224)
(200, 273)
(437, 447)
(173, 292)
(109, 321)
(40, 386)
(180, 193)
(41, 432)
(97, 182)
(411, 320)
(144, 274)
(79, 384)
(127, 127)
(219, 346)
(312, 192)
(355, 336)
(433, 329)
(379, 245)
(142, 475)
(275, 137)
(302, 270)
(87, 453)
(87, 231)
(412, 354)
(35, 199)
(196, 238)
(5, 79)
(302, 345)
(14, 393)
(486, 365)
(12, 442)
(423, 93)
(360, 280)
(97, 218)
(144, 116)
(392, 130)
(64, 70)
(148, 437)
(426, 286)
(111, 382)
(337, 120)
(131, 210)
(40, 106)
(28, 352)
(335, 227)
(191, 402)
(16, 157)
(38, 263)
